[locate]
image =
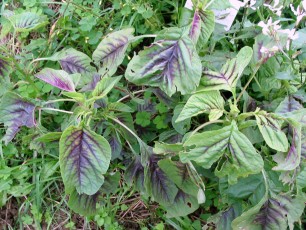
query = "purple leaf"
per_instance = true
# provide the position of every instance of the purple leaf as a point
(272, 215)
(293, 158)
(84, 158)
(195, 27)
(92, 85)
(14, 113)
(73, 61)
(135, 172)
(115, 144)
(171, 63)
(288, 105)
(161, 187)
(57, 78)
(112, 48)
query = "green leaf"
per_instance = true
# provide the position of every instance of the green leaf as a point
(49, 137)
(227, 78)
(84, 158)
(179, 174)
(210, 146)
(210, 102)
(182, 126)
(170, 63)
(27, 21)
(104, 86)
(270, 129)
(84, 204)
(112, 48)
(143, 118)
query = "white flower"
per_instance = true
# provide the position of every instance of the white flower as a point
(269, 51)
(275, 8)
(269, 28)
(291, 33)
(300, 11)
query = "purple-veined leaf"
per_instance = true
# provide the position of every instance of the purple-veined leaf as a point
(84, 204)
(73, 61)
(112, 48)
(182, 205)
(14, 113)
(227, 78)
(158, 184)
(115, 144)
(92, 85)
(210, 102)
(5, 68)
(170, 63)
(223, 219)
(57, 78)
(292, 159)
(270, 128)
(207, 26)
(272, 215)
(27, 21)
(179, 173)
(84, 158)
(135, 172)
(195, 27)
(288, 105)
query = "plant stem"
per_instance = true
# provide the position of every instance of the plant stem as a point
(124, 126)
(57, 110)
(249, 81)
(143, 36)
(205, 124)
(131, 95)
(58, 100)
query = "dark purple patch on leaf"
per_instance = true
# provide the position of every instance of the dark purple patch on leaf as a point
(92, 85)
(289, 104)
(195, 28)
(73, 61)
(84, 158)
(158, 184)
(171, 63)
(271, 213)
(14, 113)
(57, 78)
(135, 172)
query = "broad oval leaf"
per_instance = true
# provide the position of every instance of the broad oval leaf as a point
(84, 158)
(14, 113)
(58, 78)
(210, 102)
(270, 129)
(111, 49)
(207, 26)
(195, 27)
(171, 63)
(227, 78)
